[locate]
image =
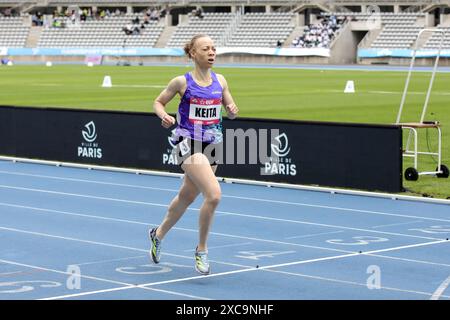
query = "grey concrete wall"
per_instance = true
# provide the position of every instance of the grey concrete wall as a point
(404, 61)
(344, 48)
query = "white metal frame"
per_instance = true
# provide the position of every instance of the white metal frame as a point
(415, 153)
(413, 127)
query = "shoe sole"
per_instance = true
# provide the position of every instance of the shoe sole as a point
(151, 251)
(201, 272)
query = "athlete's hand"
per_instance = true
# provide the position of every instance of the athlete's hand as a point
(167, 121)
(232, 110)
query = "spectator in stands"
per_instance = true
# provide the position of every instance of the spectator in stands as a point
(5, 60)
(318, 35)
(131, 29)
(163, 12)
(36, 19)
(128, 29)
(148, 12)
(83, 15)
(198, 13)
(146, 19)
(95, 15)
(58, 23)
(136, 30)
(198, 139)
(154, 16)
(279, 44)
(7, 12)
(135, 20)
(73, 17)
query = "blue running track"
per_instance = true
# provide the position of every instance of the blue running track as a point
(71, 233)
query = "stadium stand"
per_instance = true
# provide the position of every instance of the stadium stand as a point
(435, 39)
(237, 30)
(215, 25)
(13, 32)
(261, 30)
(107, 32)
(259, 25)
(319, 35)
(397, 37)
(398, 30)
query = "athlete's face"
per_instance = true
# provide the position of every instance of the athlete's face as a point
(204, 52)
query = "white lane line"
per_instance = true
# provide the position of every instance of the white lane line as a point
(90, 181)
(84, 196)
(331, 226)
(224, 246)
(122, 247)
(246, 270)
(440, 290)
(231, 264)
(75, 214)
(396, 224)
(340, 208)
(348, 282)
(224, 212)
(96, 278)
(409, 246)
(110, 260)
(231, 196)
(232, 236)
(214, 275)
(90, 293)
(313, 235)
(411, 260)
(72, 239)
(220, 214)
(4, 274)
(173, 255)
(214, 233)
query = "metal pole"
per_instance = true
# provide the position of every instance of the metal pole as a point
(411, 66)
(408, 77)
(433, 75)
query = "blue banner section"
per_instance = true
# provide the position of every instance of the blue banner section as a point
(96, 51)
(401, 53)
(293, 52)
(177, 52)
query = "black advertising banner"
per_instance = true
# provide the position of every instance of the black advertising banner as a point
(327, 154)
(298, 152)
(7, 138)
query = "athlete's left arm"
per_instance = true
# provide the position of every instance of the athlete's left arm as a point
(228, 102)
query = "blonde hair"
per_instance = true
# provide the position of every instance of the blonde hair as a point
(190, 45)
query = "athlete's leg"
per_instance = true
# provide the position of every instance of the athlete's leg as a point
(202, 175)
(187, 194)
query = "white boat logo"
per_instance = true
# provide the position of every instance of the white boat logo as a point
(90, 135)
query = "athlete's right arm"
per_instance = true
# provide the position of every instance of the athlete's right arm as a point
(175, 86)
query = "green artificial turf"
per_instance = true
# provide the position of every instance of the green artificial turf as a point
(259, 92)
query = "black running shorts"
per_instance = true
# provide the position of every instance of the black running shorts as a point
(185, 147)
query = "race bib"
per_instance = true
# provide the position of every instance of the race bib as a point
(205, 111)
(184, 147)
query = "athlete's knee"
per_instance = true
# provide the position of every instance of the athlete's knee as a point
(213, 197)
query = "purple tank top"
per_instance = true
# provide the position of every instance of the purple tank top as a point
(199, 114)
